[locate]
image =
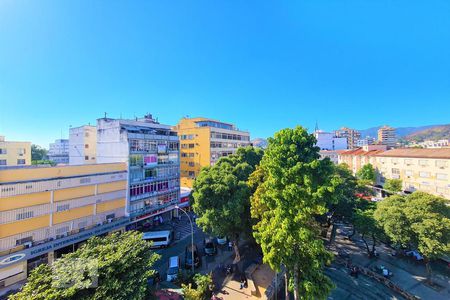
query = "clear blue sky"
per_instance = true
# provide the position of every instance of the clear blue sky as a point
(263, 65)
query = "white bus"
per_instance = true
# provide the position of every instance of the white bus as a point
(159, 239)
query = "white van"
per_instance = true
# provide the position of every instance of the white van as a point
(159, 239)
(174, 268)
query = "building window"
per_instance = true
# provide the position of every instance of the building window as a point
(63, 207)
(29, 186)
(441, 164)
(24, 215)
(408, 173)
(24, 240)
(62, 230)
(86, 157)
(85, 180)
(21, 151)
(424, 174)
(191, 164)
(191, 154)
(3, 151)
(191, 174)
(441, 176)
(86, 146)
(21, 161)
(423, 162)
(191, 146)
(2, 162)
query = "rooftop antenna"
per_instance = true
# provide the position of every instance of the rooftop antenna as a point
(317, 127)
(105, 114)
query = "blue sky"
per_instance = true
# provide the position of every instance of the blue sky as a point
(263, 65)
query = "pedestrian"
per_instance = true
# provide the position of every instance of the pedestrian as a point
(242, 281)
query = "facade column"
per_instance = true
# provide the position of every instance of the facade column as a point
(51, 257)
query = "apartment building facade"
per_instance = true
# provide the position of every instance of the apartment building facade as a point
(83, 145)
(58, 151)
(151, 152)
(386, 136)
(328, 141)
(14, 153)
(355, 159)
(44, 210)
(351, 135)
(203, 141)
(427, 170)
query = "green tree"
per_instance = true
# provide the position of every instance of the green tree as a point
(367, 172)
(201, 290)
(393, 185)
(419, 221)
(121, 263)
(343, 202)
(365, 223)
(38, 153)
(294, 186)
(221, 196)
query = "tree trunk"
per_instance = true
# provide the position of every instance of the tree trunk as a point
(373, 245)
(237, 256)
(367, 245)
(296, 288)
(428, 266)
(333, 234)
(286, 284)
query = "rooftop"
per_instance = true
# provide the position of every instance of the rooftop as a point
(443, 153)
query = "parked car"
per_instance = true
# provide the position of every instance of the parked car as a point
(210, 247)
(173, 268)
(415, 254)
(222, 240)
(188, 256)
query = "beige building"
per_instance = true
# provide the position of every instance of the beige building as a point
(352, 135)
(386, 136)
(203, 141)
(14, 153)
(46, 211)
(83, 145)
(425, 170)
(357, 158)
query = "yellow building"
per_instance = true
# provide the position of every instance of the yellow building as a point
(44, 210)
(426, 170)
(14, 153)
(203, 141)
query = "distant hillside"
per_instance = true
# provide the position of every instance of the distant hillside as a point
(400, 131)
(434, 133)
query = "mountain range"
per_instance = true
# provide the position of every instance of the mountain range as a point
(428, 132)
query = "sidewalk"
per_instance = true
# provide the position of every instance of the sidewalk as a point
(407, 275)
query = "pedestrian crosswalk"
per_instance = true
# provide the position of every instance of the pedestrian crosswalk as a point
(182, 228)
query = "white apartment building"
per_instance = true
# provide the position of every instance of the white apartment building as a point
(328, 141)
(58, 151)
(82, 145)
(151, 151)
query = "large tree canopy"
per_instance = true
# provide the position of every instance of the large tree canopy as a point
(293, 187)
(221, 196)
(119, 263)
(417, 221)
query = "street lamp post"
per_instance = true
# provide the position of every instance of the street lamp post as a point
(192, 237)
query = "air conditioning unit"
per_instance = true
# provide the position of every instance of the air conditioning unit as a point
(28, 244)
(110, 220)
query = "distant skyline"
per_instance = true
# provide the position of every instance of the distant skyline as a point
(261, 65)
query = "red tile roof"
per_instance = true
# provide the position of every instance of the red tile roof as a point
(443, 153)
